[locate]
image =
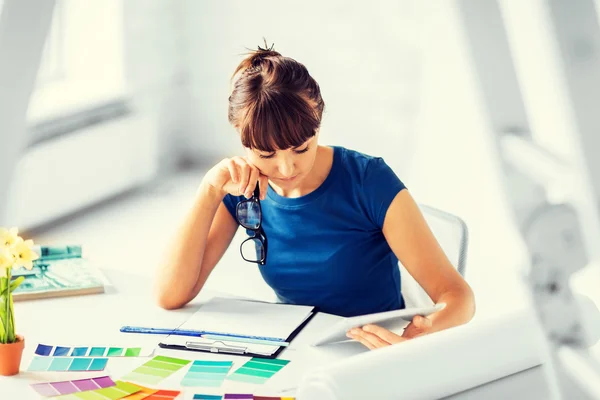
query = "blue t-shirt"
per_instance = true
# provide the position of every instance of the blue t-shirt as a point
(327, 248)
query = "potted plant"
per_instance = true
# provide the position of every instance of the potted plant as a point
(14, 252)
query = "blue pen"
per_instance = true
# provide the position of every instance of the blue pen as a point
(185, 332)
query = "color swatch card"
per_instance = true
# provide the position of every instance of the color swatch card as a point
(160, 395)
(207, 373)
(91, 351)
(257, 370)
(51, 389)
(272, 398)
(119, 391)
(199, 396)
(156, 370)
(144, 393)
(67, 364)
(152, 394)
(238, 396)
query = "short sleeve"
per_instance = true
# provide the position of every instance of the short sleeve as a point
(380, 187)
(231, 203)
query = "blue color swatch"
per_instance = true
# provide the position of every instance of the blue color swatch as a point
(207, 397)
(67, 364)
(79, 352)
(97, 351)
(43, 350)
(61, 351)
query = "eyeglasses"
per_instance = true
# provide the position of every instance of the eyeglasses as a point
(249, 215)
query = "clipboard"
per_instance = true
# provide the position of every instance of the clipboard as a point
(237, 347)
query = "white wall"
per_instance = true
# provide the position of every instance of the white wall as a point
(455, 165)
(365, 56)
(156, 65)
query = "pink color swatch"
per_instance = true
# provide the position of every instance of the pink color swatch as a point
(51, 389)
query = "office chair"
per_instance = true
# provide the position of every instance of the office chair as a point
(453, 236)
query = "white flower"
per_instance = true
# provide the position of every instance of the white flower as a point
(6, 261)
(23, 254)
(8, 237)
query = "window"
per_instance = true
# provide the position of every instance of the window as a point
(52, 63)
(82, 65)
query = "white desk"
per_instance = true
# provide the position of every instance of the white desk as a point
(96, 319)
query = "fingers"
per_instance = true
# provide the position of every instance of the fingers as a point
(233, 170)
(383, 333)
(244, 170)
(247, 176)
(242, 178)
(421, 322)
(252, 182)
(263, 182)
(370, 340)
(418, 327)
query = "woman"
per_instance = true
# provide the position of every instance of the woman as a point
(337, 221)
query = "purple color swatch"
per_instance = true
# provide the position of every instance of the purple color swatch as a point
(51, 389)
(64, 387)
(238, 396)
(45, 389)
(85, 384)
(104, 381)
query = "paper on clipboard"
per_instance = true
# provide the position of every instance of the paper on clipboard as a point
(248, 318)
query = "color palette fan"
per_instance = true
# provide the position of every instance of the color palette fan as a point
(238, 396)
(91, 351)
(67, 364)
(156, 370)
(257, 370)
(153, 394)
(207, 373)
(51, 389)
(119, 391)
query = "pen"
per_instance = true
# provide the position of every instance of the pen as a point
(188, 332)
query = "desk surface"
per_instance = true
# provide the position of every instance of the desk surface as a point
(96, 319)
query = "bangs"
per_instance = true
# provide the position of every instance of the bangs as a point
(278, 121)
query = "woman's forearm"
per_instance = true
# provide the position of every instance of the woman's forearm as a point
(179, 272)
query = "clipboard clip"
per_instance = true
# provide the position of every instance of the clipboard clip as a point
(214, 347)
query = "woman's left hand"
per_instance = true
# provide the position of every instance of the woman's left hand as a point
(374, 337)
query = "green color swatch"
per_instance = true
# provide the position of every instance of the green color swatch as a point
(114, 352)
(133, 352)
(257, 370)
(207, 373)
(157, 369)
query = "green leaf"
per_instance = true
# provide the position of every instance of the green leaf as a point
(2, 330)
(15, 284)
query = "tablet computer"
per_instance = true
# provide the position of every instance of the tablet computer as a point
(338, 331)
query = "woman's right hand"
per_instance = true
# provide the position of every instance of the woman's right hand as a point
(236, 176)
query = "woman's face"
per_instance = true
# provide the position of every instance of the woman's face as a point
(286, 168)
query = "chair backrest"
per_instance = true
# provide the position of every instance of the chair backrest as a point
(453, 236)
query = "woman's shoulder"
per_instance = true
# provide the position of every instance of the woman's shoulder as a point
(357, 163)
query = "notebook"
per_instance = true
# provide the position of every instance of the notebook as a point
(246, 322)
(60, 271)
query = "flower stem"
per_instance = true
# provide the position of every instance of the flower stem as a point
(11, 323)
